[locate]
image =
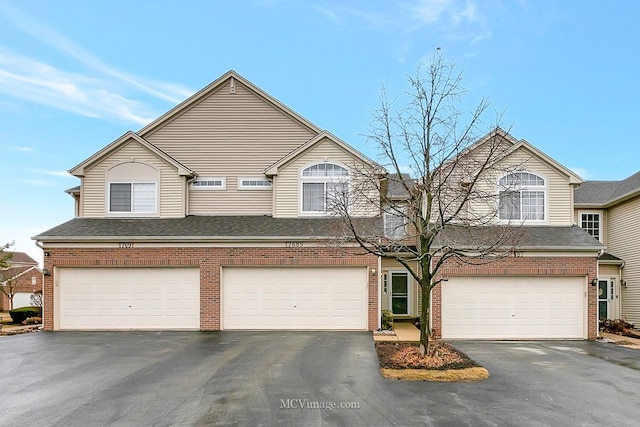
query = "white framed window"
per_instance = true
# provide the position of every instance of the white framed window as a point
(132, 197)
(395, 225)
(319, 183)
(259, 183)
(591, 222)
(522, 197)
(209, 184)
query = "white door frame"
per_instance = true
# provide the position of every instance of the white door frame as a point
(390, 274)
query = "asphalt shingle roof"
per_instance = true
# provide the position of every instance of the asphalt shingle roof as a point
(197, 227)
(396, 185)
(524, 237)
(605, 192)
(194, 228)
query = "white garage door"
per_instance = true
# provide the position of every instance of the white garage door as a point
(128, 298)
(295, 298)
(513, 307)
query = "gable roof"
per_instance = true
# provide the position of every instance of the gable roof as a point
(19, 258)
(574, 178)
(212, 87)
(14, 273)
(523, 144)
(607, 193)
(79, 169)
(273, 169)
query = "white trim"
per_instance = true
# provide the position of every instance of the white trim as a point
(244, 183)
(410, 285)
(211, 180)
(132, 213)
(320, 180)
(544, 189)
(600, 221)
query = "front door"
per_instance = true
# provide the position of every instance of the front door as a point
(608, 299)
(399, 292)
(603, 299)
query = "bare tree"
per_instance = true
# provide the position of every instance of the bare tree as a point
(13, 281)
(438, 201)
(5, 257)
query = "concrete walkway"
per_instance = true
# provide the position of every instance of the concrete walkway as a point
(404, 332)
(621, 340)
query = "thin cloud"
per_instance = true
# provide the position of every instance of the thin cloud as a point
(31, 80)
(430, 11)
(166, 91)
(24, 149)
(582, 172)
(63, 174)
(452, 19)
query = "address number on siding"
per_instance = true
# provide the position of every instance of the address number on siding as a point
(293, 244)
(125, 245)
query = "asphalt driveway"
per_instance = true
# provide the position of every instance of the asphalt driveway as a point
(302, 379)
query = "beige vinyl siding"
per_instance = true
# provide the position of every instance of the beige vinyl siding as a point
(624, 242)
(559, 209)
(230, 135)
(287, 199)
(94, 184)
(608, 271)
(230, 201)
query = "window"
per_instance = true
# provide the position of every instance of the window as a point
(522, 197)
(320, 183)
(208, 184)
(590, 221)
(134, 197)
(254, 184)
(394, 225)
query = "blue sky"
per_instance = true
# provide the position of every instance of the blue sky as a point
(75, 75)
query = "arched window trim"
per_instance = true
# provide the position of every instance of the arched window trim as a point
(316, 189)
(520, 200)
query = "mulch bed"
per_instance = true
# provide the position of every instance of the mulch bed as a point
(441, 356)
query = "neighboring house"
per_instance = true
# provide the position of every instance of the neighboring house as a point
(215, 216)
(610, 211)
(23, 276)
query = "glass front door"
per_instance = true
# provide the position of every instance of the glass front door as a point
(603, 299)
(400, 293)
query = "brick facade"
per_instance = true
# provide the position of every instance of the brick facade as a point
(523, 266)
(24, 284)
(210, 261)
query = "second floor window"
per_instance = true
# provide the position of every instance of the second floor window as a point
(590, 222)
(522, 197)
(134, 197)
(395, 225)
(320, 183)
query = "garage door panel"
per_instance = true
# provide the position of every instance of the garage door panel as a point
(294, 298)
(513, 307)
(128, 298)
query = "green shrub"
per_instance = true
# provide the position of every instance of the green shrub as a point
(387, 320)
(21, 314)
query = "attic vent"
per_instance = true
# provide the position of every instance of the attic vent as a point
(232, 85)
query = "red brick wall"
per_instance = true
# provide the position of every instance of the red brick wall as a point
(209, 260)
(24, 286)
(523, 266)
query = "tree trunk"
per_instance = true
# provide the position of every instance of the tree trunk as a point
(425, 315)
